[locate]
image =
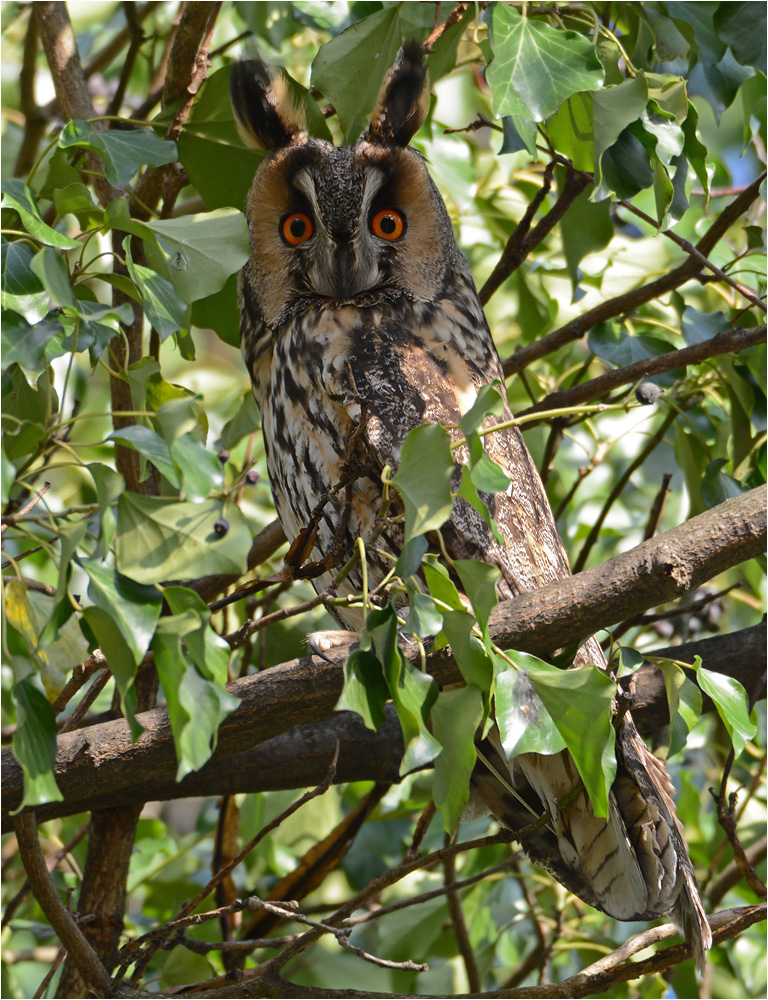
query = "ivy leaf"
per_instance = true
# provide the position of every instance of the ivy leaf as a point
(152, 447)
(32, 348)
(165, 310)
(424, 479)
(202, 251)
(468, 491)
(123, 151)
(22, 290)
(579, 701)
(134, 608)
(456, 717)
(536, 68)
(168, 540)
(524, 723)
(731, 703)
(365, 688)
(18, 196)
(412, 691)
(34, 744)
(424, 619)
(479, 581)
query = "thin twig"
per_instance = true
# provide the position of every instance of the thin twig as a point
(726, 815)
(93, 692)
(460, 930)
(657, 507)
(61, 954)
(10, 519)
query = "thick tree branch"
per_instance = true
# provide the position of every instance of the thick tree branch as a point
(306, 691)
(628, 301)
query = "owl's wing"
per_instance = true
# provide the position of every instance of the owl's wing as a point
(635, 864)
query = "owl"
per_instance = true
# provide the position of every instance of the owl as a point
(360, 320)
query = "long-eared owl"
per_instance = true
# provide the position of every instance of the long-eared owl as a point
(360, 320)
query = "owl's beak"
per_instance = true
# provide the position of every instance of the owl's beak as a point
(349, 277)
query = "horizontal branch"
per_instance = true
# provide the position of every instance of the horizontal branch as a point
(305, 691)
(729, 342)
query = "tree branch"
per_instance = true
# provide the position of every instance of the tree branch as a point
(104, 760)
(729, 342)
(628, 301)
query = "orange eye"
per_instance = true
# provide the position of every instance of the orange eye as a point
(388, 224)
(296, 228)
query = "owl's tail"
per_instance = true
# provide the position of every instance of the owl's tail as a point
(632, 865)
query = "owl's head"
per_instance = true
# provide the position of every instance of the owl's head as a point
(339, 223)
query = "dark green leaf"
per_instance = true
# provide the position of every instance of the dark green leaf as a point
(479, 581)
(133, 607)
(201, 470)
(152, 447)
(571, 131)
(488, 404)
(536, 68)
(31, 347)
(424, 619)
(365, 689)
(588, 228)
(741, 25)
(717, 486)
(123, 152)
(411, 555)
(22, 290)
(472, 659)
(697, 327)
(468, 491)
(50, 268)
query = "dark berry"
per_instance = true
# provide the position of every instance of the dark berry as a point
(223, 456)
(222, 526)
(647, 393)
(252, 477)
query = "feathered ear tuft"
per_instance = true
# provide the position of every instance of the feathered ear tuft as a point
(403, 99)
(265, 113)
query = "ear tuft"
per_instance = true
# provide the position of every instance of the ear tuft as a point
(265, 114)
(403, 99)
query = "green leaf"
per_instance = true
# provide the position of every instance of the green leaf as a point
(479, 581)
(614, 344)
(349, 69)
(456, 717)
(50, 268)
(365, 688)
(76, 199)
(424, 619)
(411, 555)
(524, 723)
(731, 703)
(684, 700)
(184, 967)
(742, 26)
(695, 151)
(424, 479)
(192, 664)
(468, 491)
(123, 151)
(29, 409)
(121, 659)
(210, 138)
(489, 403)
(220, 312)
(133, 607)
(571, 131)
(473, 661)
(201, 470)
(165, 310)
(202, 251)
(18, 196)
(22, 290)
(587, 229)
(579, 701)
(152, 447)
(536, 68)
(519, 134)
(168, 540)
(32, 348)
(413, 692)
(486, 475)
(717, 486)
(697, 327)
(614, 109)
(34, 745)
(441, 587)
(109, 485)
(719, 84)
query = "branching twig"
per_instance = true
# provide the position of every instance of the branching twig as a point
(11, 518)
(460, 930)
(726, 814)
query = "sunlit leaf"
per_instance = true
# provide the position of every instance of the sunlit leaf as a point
(34, 744)
(424, 479)
(731, 703)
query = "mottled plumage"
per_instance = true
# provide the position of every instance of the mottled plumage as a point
(360, 321)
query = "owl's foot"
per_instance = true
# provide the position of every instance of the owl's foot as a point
(322, 642)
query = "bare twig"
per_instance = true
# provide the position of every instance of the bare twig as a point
(61, 954)
(34, 119)
(96, 661)
(657, 507)
(62, 921)
(453, 18)
(651, 444)
(732, 874)
(726, 814)
(11, 518)
(453, 900)
(133, 19)
(98, 685)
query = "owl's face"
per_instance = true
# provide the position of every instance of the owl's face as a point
(336, 225)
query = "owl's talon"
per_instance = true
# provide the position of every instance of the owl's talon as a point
(322, 642)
